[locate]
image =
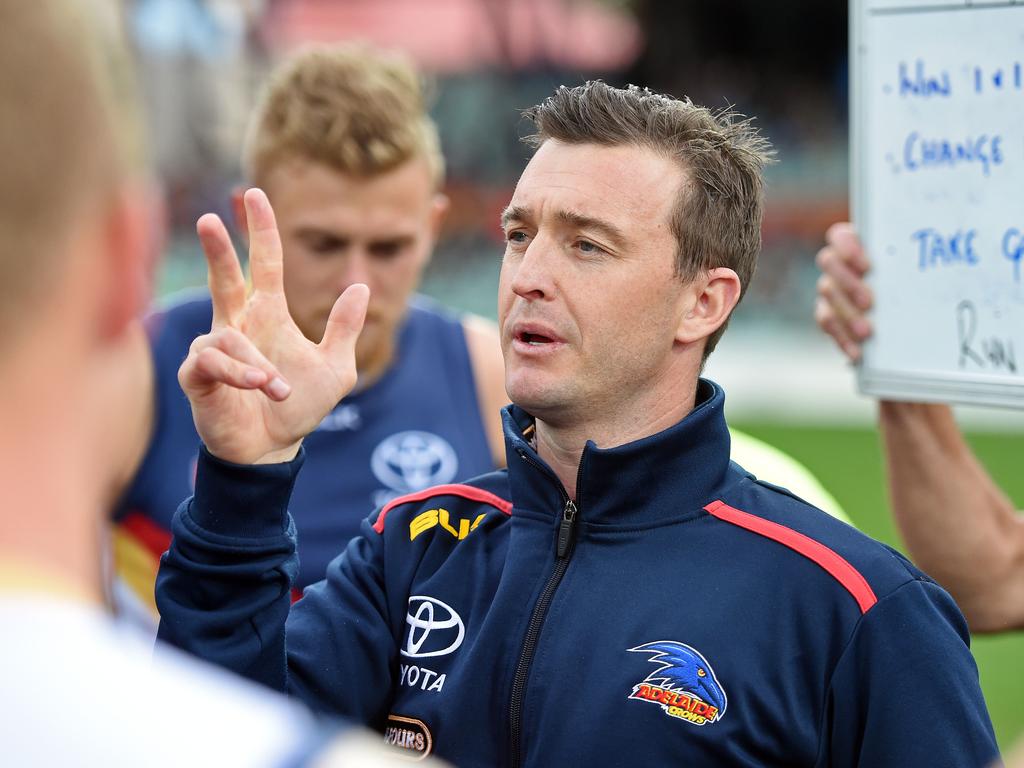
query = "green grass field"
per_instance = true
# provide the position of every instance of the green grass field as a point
(848, 462)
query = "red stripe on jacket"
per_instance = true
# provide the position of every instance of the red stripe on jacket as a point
(837, 567)
(465, 491)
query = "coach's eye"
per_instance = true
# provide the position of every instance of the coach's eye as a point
(701, 673)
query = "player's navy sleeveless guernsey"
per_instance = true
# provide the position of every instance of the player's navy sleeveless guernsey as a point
(418, 426)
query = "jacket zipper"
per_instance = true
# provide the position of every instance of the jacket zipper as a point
(563, 551)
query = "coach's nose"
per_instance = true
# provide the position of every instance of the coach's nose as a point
(533, 278)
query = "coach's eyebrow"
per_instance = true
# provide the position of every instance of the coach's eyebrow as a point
(514, 213)
(613, 233)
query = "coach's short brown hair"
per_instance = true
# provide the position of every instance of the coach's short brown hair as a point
(356, 109)
(717, 219)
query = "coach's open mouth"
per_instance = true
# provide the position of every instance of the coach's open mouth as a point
(534, 338)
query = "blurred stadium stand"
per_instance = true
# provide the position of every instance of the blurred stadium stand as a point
(202, 60)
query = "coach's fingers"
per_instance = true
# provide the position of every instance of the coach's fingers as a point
(252, 370)
(213, 366)
(343, 328)
(265, 253)
(223, 272)
(830, 324)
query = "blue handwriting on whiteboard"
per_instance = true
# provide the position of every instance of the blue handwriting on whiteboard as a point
(936, 249)
(1013, 249)
(919, 83)
(998, 78)
(920, 153)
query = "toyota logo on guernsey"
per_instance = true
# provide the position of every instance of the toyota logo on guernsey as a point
(435, 629)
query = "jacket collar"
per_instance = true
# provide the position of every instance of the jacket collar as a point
(664, 476)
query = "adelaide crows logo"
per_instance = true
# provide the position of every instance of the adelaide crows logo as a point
(683, 685)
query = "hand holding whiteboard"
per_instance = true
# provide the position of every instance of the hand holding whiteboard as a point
(938, 196)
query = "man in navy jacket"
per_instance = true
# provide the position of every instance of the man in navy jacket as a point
(621, 594)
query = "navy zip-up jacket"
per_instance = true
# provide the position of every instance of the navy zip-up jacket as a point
(679, 612)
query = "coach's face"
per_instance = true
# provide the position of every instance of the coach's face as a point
(589, 303)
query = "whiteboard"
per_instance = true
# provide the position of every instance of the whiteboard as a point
(937, 194)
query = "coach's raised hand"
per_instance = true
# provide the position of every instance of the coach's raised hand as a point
(257, 385)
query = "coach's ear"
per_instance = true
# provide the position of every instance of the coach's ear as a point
(708, 303)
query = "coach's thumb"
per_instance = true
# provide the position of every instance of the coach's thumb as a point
(342, 332)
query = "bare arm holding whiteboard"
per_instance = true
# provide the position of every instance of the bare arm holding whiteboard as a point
(958, 525)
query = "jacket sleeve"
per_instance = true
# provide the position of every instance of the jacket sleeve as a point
(906, 692)
(224, 594)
